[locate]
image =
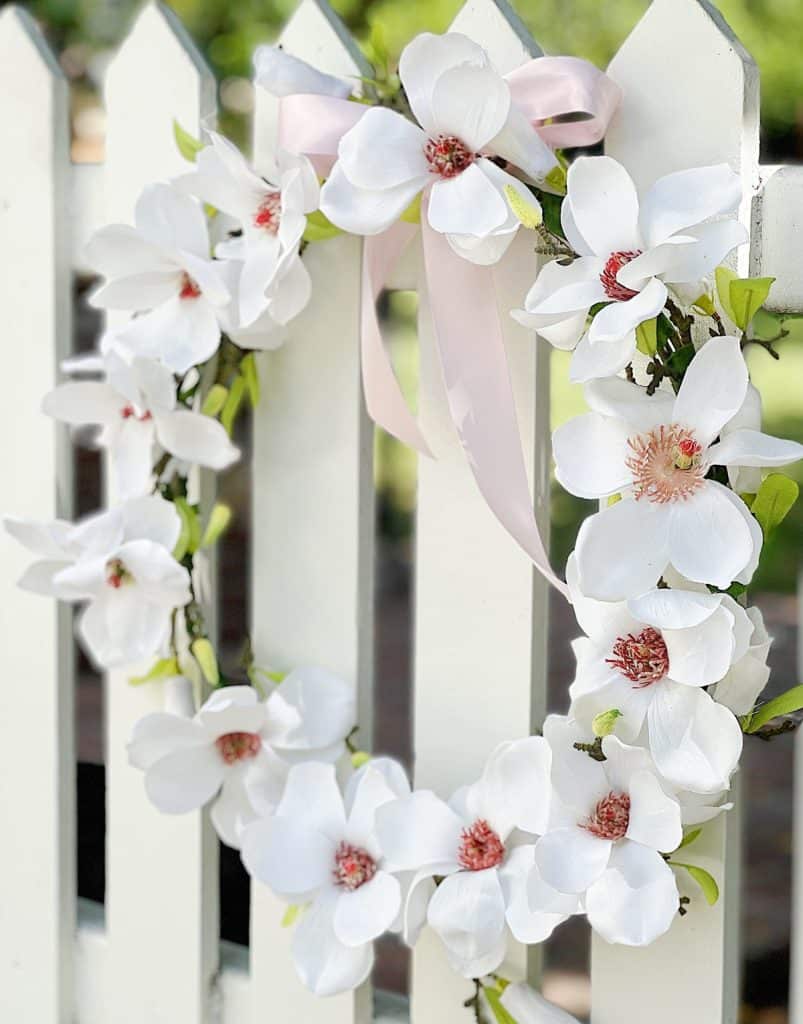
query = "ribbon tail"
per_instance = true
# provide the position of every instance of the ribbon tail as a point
(475, 371)
(314, 125)
(384, 399)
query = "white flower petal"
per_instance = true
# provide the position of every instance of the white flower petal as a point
(620, 318)
(282, 74)
(312, 797)
(603, 205)
(654, 816)
(131, 447)
(311, 710)
(713, 389)
(365, 211)
(325, 965)
(598, 619)
(232, 811)
(708, 539)
(631, 403)
(520, 144)
(369, 792)
(711, 244)
(120, 251)
(151, 518)
(425, 59)
(468, 204)
(196, 438)
(571, 859)
(287, 855)
(701, 655)
(516, 783)
(753, 448)
(604, 359)
(468, 913)
(181, 333)
(366, 913)
(84, 402)
(158, 734)
(590, 453)
(185, 779)
(674, 609)
(168, 217)
(533, 909)
(382, 150)
(418, 830)
(470, 102)
(685, 198)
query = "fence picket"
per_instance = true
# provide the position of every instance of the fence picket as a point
(667, 122)
(313, 511)
(37, 796)
(481, 612)
(161, 900)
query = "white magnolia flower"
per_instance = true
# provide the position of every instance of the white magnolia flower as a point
(656, 452)
(282, 74)
(745, 681)
(120, 562)
(489, 875)
(629, 252)
(466, 118)
(136, 407)
(269, 273)
(526, 1006)
(609, 823)
(238, 749)
(649, 659)
(163, 266)
(322, 848)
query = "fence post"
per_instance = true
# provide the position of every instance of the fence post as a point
(37, 756)
(690, 98)
(313, 510)
(480, 609)
(161, 899)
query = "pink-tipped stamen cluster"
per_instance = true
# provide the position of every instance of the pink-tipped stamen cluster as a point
(643, 659)
(610, 282)
(269, 213)
(116, 574)
(129, 412)
(448, 156)
(354, 866)
(480, 847)
(666, 464)
(611, 817)
(189, 288)
(238, 746)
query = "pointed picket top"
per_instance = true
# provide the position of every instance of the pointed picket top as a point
(20, 35)
(157, 76)
(691, 94)
(495, 25)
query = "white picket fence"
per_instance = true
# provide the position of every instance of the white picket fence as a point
(691, 97)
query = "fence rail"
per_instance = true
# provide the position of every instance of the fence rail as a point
(480, 611)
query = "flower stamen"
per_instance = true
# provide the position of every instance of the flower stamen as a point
(643, 659)
(238, 746)
(354, 866)
(610, 282)
(480, 847)
(189, 288)
(666, 464)
(611, 817)
(448, 156)
(269, 213)
(128, 412)
(117, 574)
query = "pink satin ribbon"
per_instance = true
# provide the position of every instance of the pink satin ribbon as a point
(462, 295)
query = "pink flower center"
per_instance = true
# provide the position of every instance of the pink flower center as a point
(128, 411)
(269, 213)
(448, 156)
(353, 866)
(117, 574)
(238, 746)
(614, 290)
(642, 659)
(610, 818)
(665, 464)
(189, 288)
(480, 847)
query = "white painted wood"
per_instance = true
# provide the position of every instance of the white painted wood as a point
(481, 610)
(87, 208)
(161, 899)
(313, 513)
(778, 236)
(37, 791)
(669, 121)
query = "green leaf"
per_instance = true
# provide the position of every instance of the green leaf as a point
(787, 703)
(690, 837)
(191, 524)
(219, 519)
(723, 276)
(291, 915)
(359, 758)
(215, 400)
(605, 722)
(162, 669)
(747, 296)
(679, 361)
(248, 368)
(188, 145)
(551, 206)
(647, 337)
(703, 878)
(204, 654)
(527, 213)
(495, 1003)
(776, 496)
(319, 228)
(233, 403)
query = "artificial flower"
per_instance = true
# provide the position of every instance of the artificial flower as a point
(526, 1006)
(466, 118)
(270, 219)
(120, 563)
(647, 661)
(282, 74)
(656, 452)
(629, 253)
(321, 848)
(489, 878)
(610, 821)
(745, 681)
(136, 408)
(238, 749)
(161, 268)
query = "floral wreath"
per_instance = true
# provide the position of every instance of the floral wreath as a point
(594, 815)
